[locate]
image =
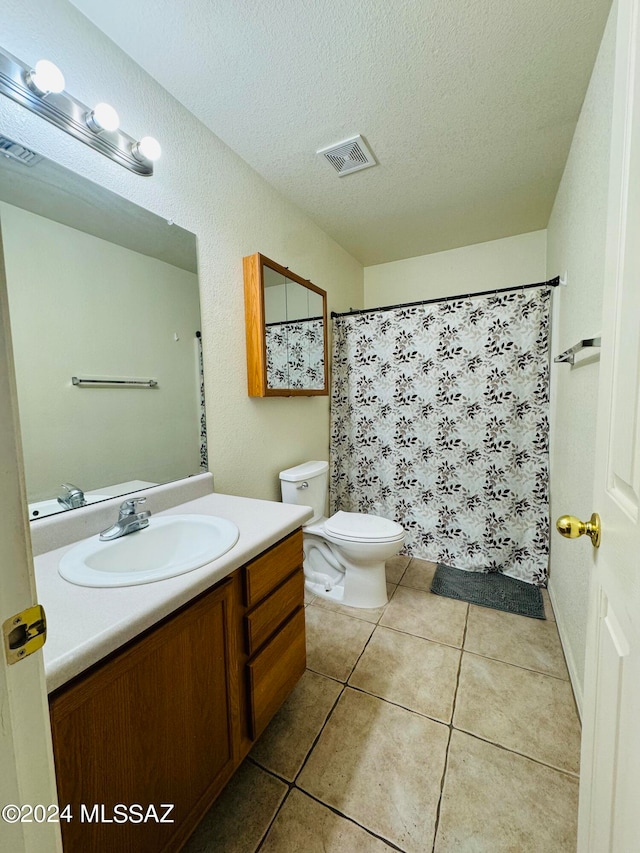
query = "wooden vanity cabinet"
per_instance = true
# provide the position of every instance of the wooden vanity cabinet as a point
(274, 630)
(152, 725)
(168, 718)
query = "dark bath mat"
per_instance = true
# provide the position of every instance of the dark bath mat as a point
(489, 589)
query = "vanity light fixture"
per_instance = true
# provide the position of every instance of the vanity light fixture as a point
(45, 78)
(41, 89)
(103, 117)
(148, 149)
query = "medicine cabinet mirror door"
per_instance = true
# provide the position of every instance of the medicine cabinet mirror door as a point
(286, 319)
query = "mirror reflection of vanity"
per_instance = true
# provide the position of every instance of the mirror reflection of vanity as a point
(286, 328)
(104, 312)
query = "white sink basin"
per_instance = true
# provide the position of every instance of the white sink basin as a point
(171, 545)
(41, 509)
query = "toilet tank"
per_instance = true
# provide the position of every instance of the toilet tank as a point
(306, 485)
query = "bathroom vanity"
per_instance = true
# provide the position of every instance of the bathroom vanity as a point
(166, 717)
(157, 691)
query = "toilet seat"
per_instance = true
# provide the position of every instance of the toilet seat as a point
(361, 527)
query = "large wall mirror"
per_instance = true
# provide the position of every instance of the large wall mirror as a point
(286, 318)
(104, 311)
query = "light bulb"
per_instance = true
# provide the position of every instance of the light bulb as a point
(103, 117)
(45, 78)
(147, 149)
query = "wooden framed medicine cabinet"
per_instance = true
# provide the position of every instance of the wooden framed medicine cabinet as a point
(286, 331)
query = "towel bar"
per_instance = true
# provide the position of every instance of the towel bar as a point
(570, 354)
(135, 383)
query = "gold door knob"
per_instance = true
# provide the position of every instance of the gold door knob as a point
(571, 527)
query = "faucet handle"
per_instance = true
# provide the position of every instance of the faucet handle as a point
(128, 521)
(130, 507)
(71, 497)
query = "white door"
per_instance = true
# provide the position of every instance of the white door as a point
(26, 763)
(609, 819)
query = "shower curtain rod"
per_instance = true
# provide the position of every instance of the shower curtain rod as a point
(553, 282)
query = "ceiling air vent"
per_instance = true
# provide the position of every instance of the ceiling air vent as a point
(18, 152)
(352, 155)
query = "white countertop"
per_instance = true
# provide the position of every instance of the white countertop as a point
(84, 624)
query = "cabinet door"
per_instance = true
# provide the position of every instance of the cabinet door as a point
(150, 726)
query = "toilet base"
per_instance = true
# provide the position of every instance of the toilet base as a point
(359, 586)
(337, 594)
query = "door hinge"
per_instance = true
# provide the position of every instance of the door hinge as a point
(24, 633)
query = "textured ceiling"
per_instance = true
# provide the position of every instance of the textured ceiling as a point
(469, 105)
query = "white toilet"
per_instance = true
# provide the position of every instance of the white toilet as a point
(344, 555)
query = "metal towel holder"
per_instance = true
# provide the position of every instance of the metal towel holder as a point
(131, 383)
(570, 355)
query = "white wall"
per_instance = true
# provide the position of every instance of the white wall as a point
(207, 189)
(483, 266)
(576, 243)
(80, 305)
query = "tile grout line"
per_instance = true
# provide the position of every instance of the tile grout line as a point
(345, 684)
(455, 692)
(398, 705)
(404, 571)
(518, 666)
(436, 823)
(364, 648)
(278, 810)
(479, 654)
(375, 625)
(292, 785)
(317, 737)
(467, 651)
(425, 716)
(419, 637)
(537, 761)
(451, 730)
(568, 773)
(315, 740)
(350, 819)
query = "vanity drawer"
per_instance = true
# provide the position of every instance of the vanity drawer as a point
(274, 672)
(267, 571)
(263, 620)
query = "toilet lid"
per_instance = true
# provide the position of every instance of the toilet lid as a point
(359, 527)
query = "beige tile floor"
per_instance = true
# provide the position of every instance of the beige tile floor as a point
(426, 726)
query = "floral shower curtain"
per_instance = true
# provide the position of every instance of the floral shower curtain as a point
(295, 353)
(204, 453)
(439, 420)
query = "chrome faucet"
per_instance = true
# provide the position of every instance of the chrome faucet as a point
(129, 520)
(71, 497)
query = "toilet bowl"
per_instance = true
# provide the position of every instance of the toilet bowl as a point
(345, 554)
